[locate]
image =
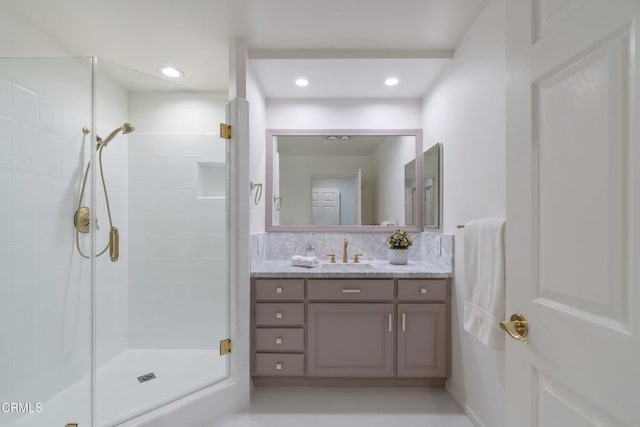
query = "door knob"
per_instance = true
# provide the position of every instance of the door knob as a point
(518, 327)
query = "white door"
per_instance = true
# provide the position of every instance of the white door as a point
(573, 212)
(325, 206)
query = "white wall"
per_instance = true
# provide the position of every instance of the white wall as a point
(343, 114)
(388, 192)
(257, 135)
(178, 287)
(466, 112)
(177, 112)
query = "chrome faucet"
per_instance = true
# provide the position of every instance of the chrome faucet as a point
(345, 257)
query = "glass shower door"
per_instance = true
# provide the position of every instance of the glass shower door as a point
(162, 307)
(114, 264)
(45, 286)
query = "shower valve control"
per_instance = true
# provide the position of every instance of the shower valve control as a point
(82, 219)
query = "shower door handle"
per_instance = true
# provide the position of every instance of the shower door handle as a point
(114, 244)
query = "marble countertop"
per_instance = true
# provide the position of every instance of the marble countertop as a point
(367, 269)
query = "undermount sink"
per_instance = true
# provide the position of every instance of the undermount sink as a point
(346, 267)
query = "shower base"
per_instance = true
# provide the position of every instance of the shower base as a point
(120, 396)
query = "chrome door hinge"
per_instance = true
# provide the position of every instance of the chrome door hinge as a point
(225, 347)
(225, 131)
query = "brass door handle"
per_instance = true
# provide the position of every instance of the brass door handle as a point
(518, 327)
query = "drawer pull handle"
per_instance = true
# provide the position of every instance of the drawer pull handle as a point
(278, 366)
(423, 291)
(404, 322)
(390, 322)
(278, 340)
(351, 291)
(279, 290)
(278, 315)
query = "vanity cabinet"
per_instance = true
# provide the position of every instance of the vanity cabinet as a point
(422, 340)
(346, 331)
(278, 318)
(350, 340)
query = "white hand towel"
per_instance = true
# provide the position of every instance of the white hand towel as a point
(484, 306)
(304, 261)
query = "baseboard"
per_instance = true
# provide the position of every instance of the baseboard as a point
(473, 417)
(347, 382)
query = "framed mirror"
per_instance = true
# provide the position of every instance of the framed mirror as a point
(343, 180)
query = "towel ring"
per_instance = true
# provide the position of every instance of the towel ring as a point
(258, 194)
(278, 202)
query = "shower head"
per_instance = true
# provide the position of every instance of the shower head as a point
(125, 129)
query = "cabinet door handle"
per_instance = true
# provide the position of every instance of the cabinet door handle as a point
(423, 291)
(278, 315)
(390, 322)
(278, 340)
(404, 322)
(279, 290)
(351, 291)
(278, 366)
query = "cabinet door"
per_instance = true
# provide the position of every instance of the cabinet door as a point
(422, 340)
(350, 340)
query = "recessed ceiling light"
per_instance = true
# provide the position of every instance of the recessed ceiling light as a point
(302, 82)
(391, 81)
(170, 71)
(332, 137)
(345, 137)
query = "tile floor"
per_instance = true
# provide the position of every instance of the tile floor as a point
(348, 407)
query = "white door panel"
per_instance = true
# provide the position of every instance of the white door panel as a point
(325, 206)
(572, 212)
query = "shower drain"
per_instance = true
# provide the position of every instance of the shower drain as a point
(146, 377)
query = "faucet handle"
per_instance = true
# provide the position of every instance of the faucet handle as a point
(333, 258)
(356, 258)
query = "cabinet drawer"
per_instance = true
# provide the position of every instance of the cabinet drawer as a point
(345, 290)
(422, 290)
(279, 364)
(279, 289)
(277, 314)
(274, 339)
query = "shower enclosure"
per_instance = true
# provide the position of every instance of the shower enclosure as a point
(114, 269)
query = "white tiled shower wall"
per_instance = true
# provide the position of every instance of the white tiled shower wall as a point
(44, 286)
(178, 255)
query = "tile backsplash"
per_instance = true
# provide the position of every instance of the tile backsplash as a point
(432, 248)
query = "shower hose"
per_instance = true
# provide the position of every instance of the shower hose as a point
(113, 243)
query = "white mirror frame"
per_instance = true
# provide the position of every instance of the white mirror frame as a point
(269, 227)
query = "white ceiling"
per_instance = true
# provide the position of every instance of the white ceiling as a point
(193, 35)
(346, 78)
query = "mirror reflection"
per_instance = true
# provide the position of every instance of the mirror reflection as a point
(432, 184)
(342, 180)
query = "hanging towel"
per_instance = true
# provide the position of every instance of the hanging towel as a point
(304, 261)
(484, 306)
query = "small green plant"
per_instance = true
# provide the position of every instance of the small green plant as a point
(400, 240)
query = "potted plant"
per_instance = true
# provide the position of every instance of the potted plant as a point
(399, 243)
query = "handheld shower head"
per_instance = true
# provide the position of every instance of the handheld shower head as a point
(126, 128)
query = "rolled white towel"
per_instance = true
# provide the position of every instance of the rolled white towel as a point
(304, 261)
